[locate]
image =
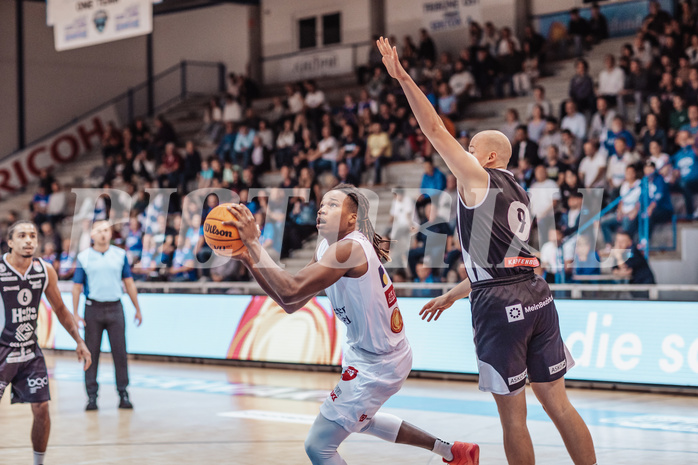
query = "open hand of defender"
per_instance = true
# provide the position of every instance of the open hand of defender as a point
(390, 59)
(435, 307)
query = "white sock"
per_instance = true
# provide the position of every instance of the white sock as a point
(443, 449)
(39, 458)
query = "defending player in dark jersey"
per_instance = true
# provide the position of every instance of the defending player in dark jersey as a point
(23, 279)
(517, 334)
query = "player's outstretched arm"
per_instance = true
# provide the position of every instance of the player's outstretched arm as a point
(54, 297)
(435, 307)
(462, 164)
(339, 259)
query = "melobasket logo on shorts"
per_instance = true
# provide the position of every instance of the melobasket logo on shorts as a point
(212, 229)
(37, 384)
(539, 305)
(514, 313)
(512, 262)
(557, 368)
(335, 394)
(349, 374)
(363, 417)
(518, 378)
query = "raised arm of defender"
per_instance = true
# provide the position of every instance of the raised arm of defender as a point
(471, 176)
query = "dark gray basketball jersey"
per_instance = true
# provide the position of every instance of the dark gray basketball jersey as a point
(494, 234)
(21, 296)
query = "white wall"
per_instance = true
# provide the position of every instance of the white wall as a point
(8, 83)
(406, 17)
(218, 33)
(279, 19)
(60, 86)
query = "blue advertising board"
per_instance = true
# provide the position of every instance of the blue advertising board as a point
(644, 342)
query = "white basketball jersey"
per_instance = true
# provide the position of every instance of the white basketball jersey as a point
(367, 305)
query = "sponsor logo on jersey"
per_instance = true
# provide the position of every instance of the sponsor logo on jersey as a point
(514, 313)
(20, 315)
(363, 417)
(37, 384)
(24, 297)
(335, 393)
(518, 378)
(396, 323)
(35, 276)
(342, 315)
(37, 267)
(390, 296)
(349, 374)
(383, 275)
(557, 368)
(24, 332)
(3, 268)
(513, 262)
(10, 288)
(20, 356)
(9, 278)
(539, 305)
(37, 284)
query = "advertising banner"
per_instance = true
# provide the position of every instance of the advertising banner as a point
(79, 23)
(445, 15)
(611, 341)
(66, 146)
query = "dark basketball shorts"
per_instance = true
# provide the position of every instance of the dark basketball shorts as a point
(25, 369)
(517, 334)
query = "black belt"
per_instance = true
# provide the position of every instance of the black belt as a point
(504, 281)
(103, 302)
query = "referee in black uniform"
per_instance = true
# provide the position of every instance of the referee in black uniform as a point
(100, 271)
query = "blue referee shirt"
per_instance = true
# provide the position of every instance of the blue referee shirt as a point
(101, 273)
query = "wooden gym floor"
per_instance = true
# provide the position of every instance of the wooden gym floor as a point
(202, 414)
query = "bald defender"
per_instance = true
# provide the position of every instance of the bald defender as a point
(515, 323)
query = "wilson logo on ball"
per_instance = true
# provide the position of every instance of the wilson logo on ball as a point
(212, 229)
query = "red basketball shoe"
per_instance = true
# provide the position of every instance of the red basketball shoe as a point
(465, 453)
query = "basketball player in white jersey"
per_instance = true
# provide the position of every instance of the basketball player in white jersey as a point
(23, 279)
(347, 265)
(515, 323)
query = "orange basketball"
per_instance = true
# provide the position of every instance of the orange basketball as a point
(224, 240)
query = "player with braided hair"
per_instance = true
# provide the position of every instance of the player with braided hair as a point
(347, 265)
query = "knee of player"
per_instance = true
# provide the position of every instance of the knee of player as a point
(40, 410)
(313, 450)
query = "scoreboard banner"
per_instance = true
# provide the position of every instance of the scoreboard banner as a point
(80, 23)
(638, 342)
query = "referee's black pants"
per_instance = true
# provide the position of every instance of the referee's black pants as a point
(98, 317)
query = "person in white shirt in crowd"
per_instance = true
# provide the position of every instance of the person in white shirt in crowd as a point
(294, 99)
(551, 136)
(574, 120)
(692, 50)
(536, 125)
(266, 134)
(602, 119)
(284, 145)
(617, 163)
(539, 99)
(592, 168)
(462, 83)
(553, 255)
(510, 124)
(544, 194)
(627, 213)
(401, 217)
(326, 155)
(642, 50)
(660, 159)
(611, 82)
(232, 111)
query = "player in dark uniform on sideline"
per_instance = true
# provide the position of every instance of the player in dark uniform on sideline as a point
(23, 279)
(515, 323)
